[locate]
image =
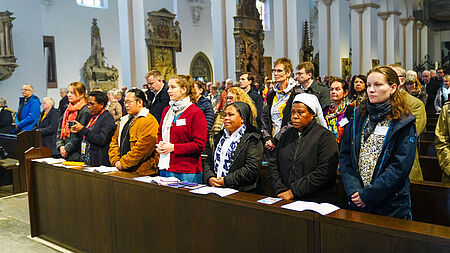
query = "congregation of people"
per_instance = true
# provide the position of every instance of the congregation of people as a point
(366, 128)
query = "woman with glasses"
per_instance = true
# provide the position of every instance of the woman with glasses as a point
(67, 143)
(413, 87)
(272, 116)
(182, 133)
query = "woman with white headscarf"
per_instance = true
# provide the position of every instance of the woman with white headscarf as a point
(306, 157)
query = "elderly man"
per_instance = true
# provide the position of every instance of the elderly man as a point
(132, 147)
(29, 110)
(418, 110)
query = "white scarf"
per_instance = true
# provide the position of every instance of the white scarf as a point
(175, 107)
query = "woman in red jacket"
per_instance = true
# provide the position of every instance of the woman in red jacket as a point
(182, 134)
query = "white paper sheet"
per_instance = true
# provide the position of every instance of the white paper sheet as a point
(323, 209)
(159, 180)
(222, 192)
(49, 160)
(101, 169)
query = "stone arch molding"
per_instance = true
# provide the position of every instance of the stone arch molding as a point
(201, 67)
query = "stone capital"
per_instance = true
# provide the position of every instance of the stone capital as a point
(419, 25)
(385, 14)
(404, 21)
(327, 2)
(361, 7)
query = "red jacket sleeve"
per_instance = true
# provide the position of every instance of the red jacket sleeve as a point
(198, 135)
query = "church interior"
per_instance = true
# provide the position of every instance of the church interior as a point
(110, 44)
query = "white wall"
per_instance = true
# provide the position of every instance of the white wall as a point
(70, 24)
(28, 49)
(194, 38)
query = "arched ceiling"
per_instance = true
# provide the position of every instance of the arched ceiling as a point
(435, 14)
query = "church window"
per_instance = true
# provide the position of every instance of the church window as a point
(94, 3)
(264, 13)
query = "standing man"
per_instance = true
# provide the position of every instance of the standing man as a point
(64, 102)
(121, 100)
(305, 77)
(246, 82)
(132, 147)
(29, 110)
(442, 142)
(157, 94)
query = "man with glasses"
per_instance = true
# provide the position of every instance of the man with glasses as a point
(305, 77)
(29, 110)
(157, 94)
(132, 147)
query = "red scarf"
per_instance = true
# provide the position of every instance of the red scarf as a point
(71, 114)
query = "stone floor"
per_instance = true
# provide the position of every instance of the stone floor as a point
(15, 225)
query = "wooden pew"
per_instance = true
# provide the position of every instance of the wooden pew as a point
(16, 145)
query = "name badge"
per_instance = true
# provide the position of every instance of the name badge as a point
(381, 130)
(180, 122)
(343, 122)
(83, 147)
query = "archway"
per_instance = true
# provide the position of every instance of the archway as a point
(201, 68)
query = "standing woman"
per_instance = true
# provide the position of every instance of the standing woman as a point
(48, 124)
(6, 118)
(114, 107)
(378, 150)
(339, 112)
(182, 134)
(358, 89)
(235, 157)
(67, 143)
(204, 104)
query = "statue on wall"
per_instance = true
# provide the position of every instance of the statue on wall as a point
(7, 59)
(97, 74)
(163, 39)
(249, 37)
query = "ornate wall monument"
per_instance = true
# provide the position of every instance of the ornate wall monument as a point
(7, 59)
(99, 75)
(249, 37)
(163, 39)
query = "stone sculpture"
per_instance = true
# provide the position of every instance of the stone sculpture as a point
(7, 59)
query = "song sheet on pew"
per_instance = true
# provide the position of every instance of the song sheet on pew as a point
(222, 192)
(323, 208)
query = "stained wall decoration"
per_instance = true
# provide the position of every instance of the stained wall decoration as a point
(163, 39)
(7, 59)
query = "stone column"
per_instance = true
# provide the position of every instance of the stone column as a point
(404, 22)
(390, 35)
(219, 39)
(408, 42)
(357, 38)
(324, 8)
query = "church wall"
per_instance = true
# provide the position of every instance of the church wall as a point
(194, 38)
(269, 40)
(28, 49)
(70, 24)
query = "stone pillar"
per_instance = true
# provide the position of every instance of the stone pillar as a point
(324, 8)
(219, 37)
(408, 42)
(297, 14)
(390, 36)
(280, 29)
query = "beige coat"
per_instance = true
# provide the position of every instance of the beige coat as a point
(418, 110)
(443, 142)
(116, 110)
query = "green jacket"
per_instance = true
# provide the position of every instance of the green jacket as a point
(418, 110)
(443, 141)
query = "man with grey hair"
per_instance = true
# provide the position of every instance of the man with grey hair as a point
(64, 102)
(29, 109)
(5, 117)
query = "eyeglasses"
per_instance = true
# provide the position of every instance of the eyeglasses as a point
(278, 71)
(128, 102)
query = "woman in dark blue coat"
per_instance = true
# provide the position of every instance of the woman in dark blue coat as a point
(98, 132)
(48, 125)
(204, 104)
(378, 149)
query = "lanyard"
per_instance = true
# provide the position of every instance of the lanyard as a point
(94, 119)
(175, 118)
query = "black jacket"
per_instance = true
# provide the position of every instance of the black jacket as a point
(98, 137)
(6, 121)
(48, 128)
(244, 173)
(321, 92)
(205, 105)
(257, 99)
(307, 165)
(63, 103)
(162, 100)
(73, 143)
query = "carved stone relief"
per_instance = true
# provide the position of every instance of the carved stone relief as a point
(99, 75)
(7, 59)
(249, 37)
(163, 39)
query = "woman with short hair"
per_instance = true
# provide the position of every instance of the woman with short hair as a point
(204, 104)
(357, 89)
(48, 124)
(69, 144)
(303, 166)
(235, 154)
(182, 133)
(378, 149)
(6, 118)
